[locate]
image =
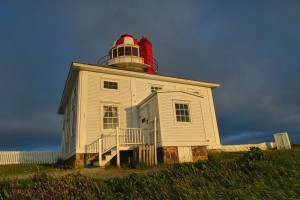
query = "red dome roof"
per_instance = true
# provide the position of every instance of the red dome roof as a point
(127, 39)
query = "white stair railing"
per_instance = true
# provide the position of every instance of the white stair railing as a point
(93, 147)
(131, 136)
(109, 141)
(117, 138)
(103, 144)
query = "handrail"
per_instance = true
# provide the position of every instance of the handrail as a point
(131, 136)
(119, 137)
(104, 60)
(93, 147)
(109, 141)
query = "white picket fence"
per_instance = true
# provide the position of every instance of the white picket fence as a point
(29, 157)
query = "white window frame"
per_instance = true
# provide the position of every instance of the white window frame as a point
(102, 115)
(67, 127)
(189, 111)
(110, 80)
(159, 87)
(74, 122)
(73, 112)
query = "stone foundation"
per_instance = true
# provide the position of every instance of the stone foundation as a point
(77, 160)
(167, 155)
(199, 153)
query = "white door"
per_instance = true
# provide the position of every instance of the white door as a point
(185, 154)
(143, 122)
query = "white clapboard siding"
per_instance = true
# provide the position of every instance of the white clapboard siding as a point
(98, 97)
(154, 112)
(29, 157)
(131, 92)
(68, 142)
(93, 108)
(208, 118)
(181, 132)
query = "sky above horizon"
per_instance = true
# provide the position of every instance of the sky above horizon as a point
(251, 47)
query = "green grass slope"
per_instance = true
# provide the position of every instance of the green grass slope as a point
(252, 175)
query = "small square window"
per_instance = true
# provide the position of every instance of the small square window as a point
(155, 88)
(182, 112)
(110, 85)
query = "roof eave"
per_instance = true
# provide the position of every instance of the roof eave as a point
(98, 68)
(71, 76)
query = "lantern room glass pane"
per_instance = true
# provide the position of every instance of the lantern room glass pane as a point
(121, 51)
(127, 51)
(135, 51)
(115, 53)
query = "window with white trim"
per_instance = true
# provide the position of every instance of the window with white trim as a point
(110, 117)
(182, 112)
(110, 85)
(73, 121)
(67, 127)
(154, 88)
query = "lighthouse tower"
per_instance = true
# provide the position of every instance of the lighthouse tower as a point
(130, 54)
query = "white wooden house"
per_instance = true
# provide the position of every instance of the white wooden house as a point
(110, 107)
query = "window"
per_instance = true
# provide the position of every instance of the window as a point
(73, 121)
(67, 124)
(121, 51)
(135, 51)
(182, 112)
(110, 85)
(127, 51)
(110, 117)
(115, 53)
(74, 96)
(155, 88)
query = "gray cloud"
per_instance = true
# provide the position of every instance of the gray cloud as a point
(251, 48)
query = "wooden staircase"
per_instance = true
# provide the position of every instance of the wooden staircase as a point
(102, 150)
(105, 158)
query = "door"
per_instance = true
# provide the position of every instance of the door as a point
(143, 122)
(185, 154)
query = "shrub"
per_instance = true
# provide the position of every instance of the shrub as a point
(255, 153)
(275, 176)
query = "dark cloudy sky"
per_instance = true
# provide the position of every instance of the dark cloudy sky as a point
(252, 48)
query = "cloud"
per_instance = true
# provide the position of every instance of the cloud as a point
(251, 48)
(31, 122)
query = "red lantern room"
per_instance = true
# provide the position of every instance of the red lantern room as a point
(130, 54)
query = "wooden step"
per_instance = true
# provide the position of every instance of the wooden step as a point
(107, 158)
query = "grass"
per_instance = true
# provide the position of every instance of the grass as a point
(253, 175)
(18, 171)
